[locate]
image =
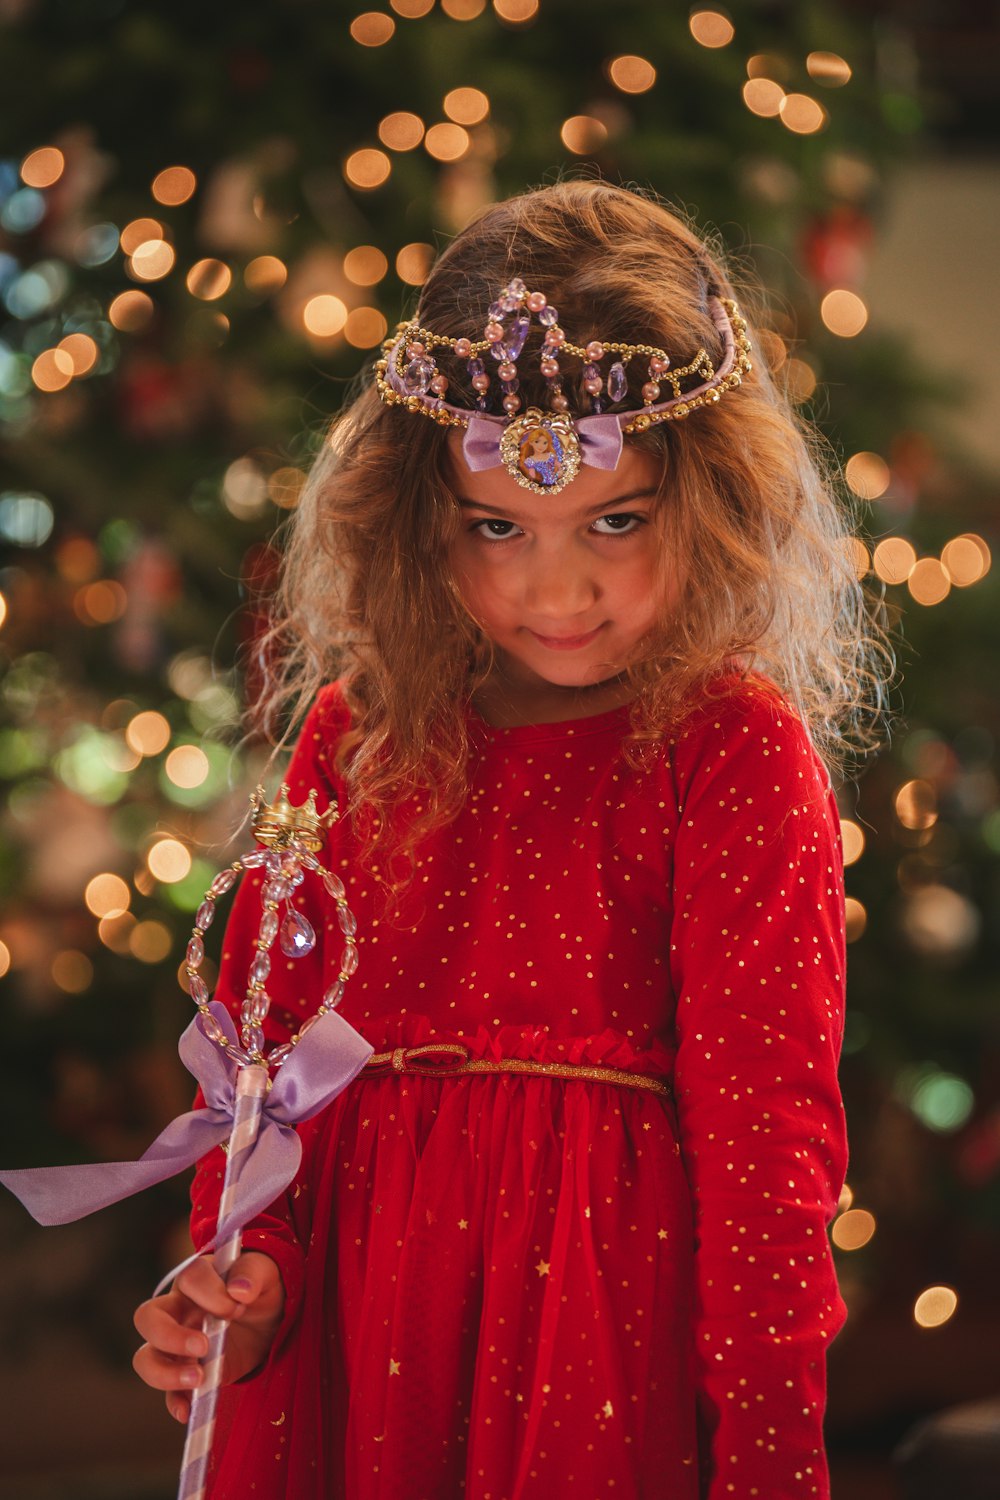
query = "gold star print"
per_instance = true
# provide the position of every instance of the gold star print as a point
(586, 1212)
(608, 1409)
(543, 1268)
(519, 1397)
(365, 1124)
(394, 1367)
(378, 1208)
(647, 1126)
(661, 1234)
(463, 1223)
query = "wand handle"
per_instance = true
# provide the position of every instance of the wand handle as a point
(251, 1088)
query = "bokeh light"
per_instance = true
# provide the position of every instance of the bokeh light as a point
(463, 10)
(762, 96)
(412, 10)
(101, 602)
(173, 185)
(150, 941)
(131, 312)
(853, 1229)
(928, 581)
(868, 475)
(940, 923)
(72, 971)
(152, 260)
(583, 134)
(4, 958)
(115, 931)
(373, 28)
(800, 379)
(324, 316)
(859, 556)
(934, 1306)
(365, 327)
(169, 860)
(208, 279)
(711, 28)
(853, 838)
(916, 804)
(148, 732)
(42, 167)
(894, 559)
(284, 487)
(107, 895)
(802, 114)
(828, 68)
(843, 312)
(187, 766)
(367, 168)
(413, 263)
(82, 350)
(365, 265)
(631, 74)
(516, 11)
(401, 131)
(447, 141)
(138, 231)
(52, 370)
(265, 274)
(244, 490)
(466, 106)
(966, 558)
(855, 919)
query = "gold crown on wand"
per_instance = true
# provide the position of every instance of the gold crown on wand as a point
(282, 822)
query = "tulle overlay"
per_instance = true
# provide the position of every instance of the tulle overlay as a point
(502, 1307)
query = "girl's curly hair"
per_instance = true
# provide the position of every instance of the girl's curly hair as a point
(747, 512)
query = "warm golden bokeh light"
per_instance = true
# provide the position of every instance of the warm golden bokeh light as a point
(846, 1199)
(631, 74)
(934, 1306)
(4, 959)
(150, 942)
(284, 486)
(148, 732)
(401, 131)
(966, 558)
(916, 805)
(855, 919)
(800, 379)
(853, 838)
(860, 557)
(710, 28)
(209, 279)
(152, 260)
(583, 134)
(107, 895)
(130, 312)
(447, 142)
(767, 65)
(187, 766)
(373, 28)
(466, 106)
(412, 10)
(762, 96)
(3, 610)
(114, 931)
(365, 265)
(868, 475)
(772, 346)
(324, 316)
(265, 274)
(72, 971)
(463, 10)
(365, 327)
(82, 350)
(928, 581)
(43, 167)
(853, 1229)
(843, 312)
(367, 168)
(516, 11)
(169, 861)
(828, 68)
(894, 559)
(802, 114)
(173, 185)
(52, 370)
(413, 263)
(138, 231)
(100, 603)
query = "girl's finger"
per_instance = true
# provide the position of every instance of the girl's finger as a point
(203, 1285)
(165, 1373)
(179, 1407)
(159, 1325)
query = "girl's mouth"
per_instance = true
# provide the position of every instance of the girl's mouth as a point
(566, 642)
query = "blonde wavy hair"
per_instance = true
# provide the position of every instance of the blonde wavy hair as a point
(747, 511)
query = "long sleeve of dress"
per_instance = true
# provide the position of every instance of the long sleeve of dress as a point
(757, 956)
(295, 986)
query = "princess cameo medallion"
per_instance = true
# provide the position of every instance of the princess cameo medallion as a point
(541, 450)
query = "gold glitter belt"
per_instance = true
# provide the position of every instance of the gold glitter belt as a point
(446, 1059)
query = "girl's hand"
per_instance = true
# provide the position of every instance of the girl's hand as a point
(252, 1300)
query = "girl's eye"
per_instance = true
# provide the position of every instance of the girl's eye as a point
(621, 523)
(493, 529)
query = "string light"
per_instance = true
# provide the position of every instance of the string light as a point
(843, 312)
(401, 131)
(463, 10)
(115, 931)
(152, 260)
(583, 134)
(516, 11)
(365, 327)
(365, 265)
(42, 167)
(372, 29)
(802, 114)
(131, 312)
(107, 895)
(447, 142)
(894, 559)
(148, 732)
(367, 168)
(868, 475)
(966, 558)
(82, 350)
(413, 263)
(137, 232)
(828, 68)
(934, 1306)
(853, 839)
(846, 1199)
(187, 766)
(4, 959)
(52, 370)
(928, 581)
(764, 97)
(3, 610)
(711, 28)
(150, 942)
(72, 971)
(859, 556)
(855, 919)
(174, 185)
(169, 861)
(916, 805)
(265, 274)
(631, 74)
(466, 106)
(324, 316)
(209, 279)
(412, 10)
(853, 1229)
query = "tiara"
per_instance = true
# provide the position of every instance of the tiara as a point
(543, 450)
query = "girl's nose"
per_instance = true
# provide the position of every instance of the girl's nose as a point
(559, 589)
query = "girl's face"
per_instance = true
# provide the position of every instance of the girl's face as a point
(565, 586)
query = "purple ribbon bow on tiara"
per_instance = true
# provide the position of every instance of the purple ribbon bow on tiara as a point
(324, 1062)
(600, 438)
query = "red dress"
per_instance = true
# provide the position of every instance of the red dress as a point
(517, 1287)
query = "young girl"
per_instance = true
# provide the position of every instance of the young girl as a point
(566, 1233)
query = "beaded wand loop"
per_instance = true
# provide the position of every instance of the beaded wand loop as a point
(290, 839)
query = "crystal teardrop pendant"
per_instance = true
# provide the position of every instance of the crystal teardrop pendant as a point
(296, 936)
(617, 382)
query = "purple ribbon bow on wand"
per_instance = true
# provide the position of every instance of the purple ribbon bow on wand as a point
(330, 1056)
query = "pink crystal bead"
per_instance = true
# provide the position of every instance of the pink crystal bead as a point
(650, 392)
(517, 288)
(493, 333)
(334, 885)
(349, 960)
(198, 989)
(273, 861)
(260, 969)
(253, 1039)
(463, 348)
(260, 1004)
(536, 301)
(254, 859)
(210, 1028)
(439, 385)
(415, 350)
(269, 927)
(246, 1013)
(236, 1053)
(307, 1026)
(334, 995)
(223, 882)
(481, 383)
(297, 936)
(595, 349)
(512, 404)
(658, 364)
(559, 402)
(508, 370)
(276, 889)
(195, 955)
(348, 921)
(549, 367)
(280, 1054)
(205, 915)
(555, 335)
(617, 382)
